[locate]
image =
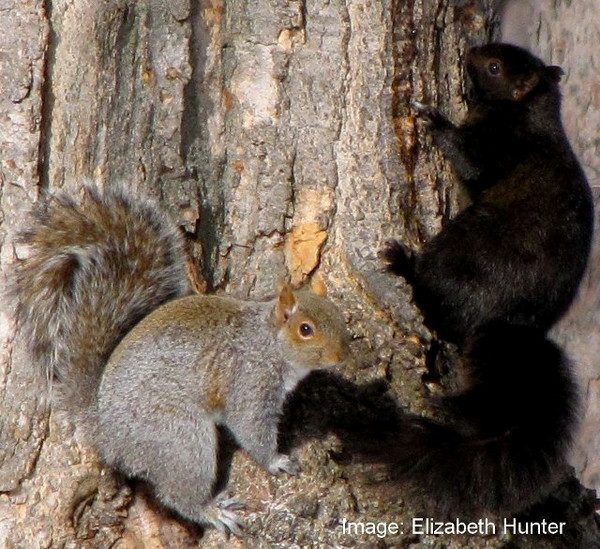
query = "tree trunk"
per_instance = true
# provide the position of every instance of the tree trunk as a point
(280, 136)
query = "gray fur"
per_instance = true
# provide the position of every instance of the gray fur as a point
(149, 377)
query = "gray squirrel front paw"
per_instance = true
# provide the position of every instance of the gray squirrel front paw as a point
(284, 464)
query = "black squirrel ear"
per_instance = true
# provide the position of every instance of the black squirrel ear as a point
(524, 86)
(286, 304)
(554, 73)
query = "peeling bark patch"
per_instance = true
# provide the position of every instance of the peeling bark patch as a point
(289, 39)
(303, 249)
(305, 241)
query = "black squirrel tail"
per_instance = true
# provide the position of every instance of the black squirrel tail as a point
(511, 429)
(94, 269)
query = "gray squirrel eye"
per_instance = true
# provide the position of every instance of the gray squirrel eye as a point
(306, 330)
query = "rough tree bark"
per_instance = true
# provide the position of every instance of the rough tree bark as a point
(279, 134)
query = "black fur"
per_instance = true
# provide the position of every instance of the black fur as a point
(494, 281)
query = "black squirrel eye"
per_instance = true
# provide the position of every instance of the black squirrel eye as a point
(494, 68)
(306, 330)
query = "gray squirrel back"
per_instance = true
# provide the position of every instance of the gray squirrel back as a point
(148, 370)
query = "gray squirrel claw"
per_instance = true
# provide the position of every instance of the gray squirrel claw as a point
(220, 514)
(229, 523)
(224, 501)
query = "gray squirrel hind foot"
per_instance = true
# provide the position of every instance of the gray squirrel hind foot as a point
(220, 514)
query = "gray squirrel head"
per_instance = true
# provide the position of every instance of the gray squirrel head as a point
(310, 328)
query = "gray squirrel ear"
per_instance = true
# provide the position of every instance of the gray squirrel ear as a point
(554, 73)
(286, 304)
(317, 285)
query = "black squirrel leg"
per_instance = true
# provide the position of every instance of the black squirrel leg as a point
(450, 140)
(400, 259)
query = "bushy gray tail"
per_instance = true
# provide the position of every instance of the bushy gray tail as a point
(94, 269)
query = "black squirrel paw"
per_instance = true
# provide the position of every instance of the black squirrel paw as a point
(430, 115)
(400, 258)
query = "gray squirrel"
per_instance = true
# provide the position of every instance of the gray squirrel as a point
(149, 370)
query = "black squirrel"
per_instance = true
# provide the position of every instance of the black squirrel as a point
(493, 282)
(148, 370)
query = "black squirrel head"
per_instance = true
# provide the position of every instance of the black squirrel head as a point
(503, 72)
